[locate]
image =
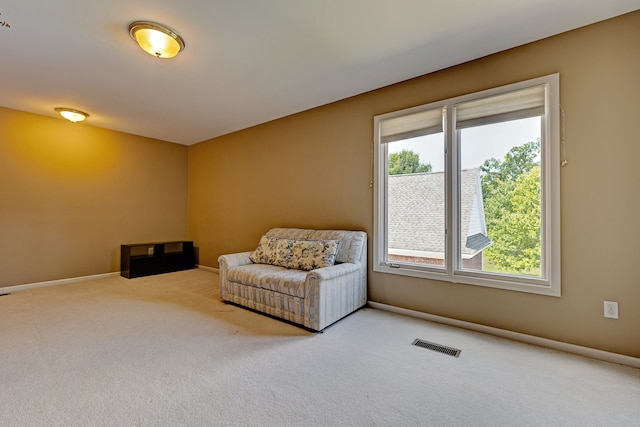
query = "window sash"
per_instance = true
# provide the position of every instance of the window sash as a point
(536, 97)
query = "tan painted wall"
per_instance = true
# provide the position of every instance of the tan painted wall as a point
(313, 170)
(70, 194)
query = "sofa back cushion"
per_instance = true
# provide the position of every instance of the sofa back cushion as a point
(297, 254)
(352, 243)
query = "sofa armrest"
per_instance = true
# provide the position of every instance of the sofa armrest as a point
(227, 262)
(234, 260)
(333, 271)
(333, 292)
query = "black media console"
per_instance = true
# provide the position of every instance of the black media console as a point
(145, 259)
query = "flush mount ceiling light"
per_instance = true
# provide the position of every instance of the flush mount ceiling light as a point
(156, 39)
(71, 114)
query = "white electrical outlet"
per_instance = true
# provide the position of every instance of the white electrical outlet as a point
(611, 309)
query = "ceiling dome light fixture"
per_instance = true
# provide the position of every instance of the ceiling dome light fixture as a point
(156, 39)
(71, 114)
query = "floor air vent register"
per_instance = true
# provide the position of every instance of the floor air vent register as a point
(437, 347)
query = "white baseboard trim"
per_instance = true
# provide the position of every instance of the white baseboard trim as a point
(515, 336)
(9, 289)
(16, 288)
(211, 269)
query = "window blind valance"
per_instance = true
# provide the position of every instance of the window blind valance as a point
(421, 123)
(516, 105)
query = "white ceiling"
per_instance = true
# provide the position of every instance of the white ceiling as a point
(250, 61)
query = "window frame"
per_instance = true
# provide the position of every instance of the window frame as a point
(550, 282)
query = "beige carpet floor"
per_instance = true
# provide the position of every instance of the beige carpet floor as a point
(164, 351)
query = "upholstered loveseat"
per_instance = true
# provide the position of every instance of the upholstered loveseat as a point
(309, 277)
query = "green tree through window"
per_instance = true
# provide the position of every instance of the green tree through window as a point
(511, 193)
(406, 161)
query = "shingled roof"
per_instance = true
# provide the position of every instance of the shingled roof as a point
(417, 217)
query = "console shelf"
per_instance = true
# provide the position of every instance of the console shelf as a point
(145, 259)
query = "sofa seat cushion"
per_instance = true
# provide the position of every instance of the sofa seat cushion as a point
(272, 277)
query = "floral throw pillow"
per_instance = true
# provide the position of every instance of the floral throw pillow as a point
(306, 254)
(265, 253)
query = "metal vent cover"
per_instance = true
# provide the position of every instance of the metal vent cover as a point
(437, 347)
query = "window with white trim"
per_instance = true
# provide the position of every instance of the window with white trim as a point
(467, 189)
